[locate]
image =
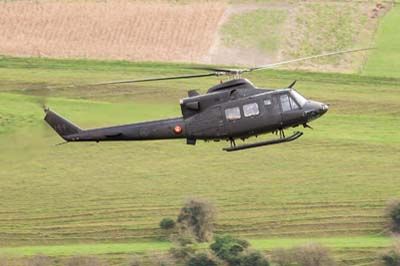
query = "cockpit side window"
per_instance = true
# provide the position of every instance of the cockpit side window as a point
(293, 104)
(232, 114)
(288, 103)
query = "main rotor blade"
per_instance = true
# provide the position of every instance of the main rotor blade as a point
(216, 69)
(304, 59)
(160, 78)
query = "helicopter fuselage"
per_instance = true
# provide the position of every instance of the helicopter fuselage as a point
(236, 109)
(231, 110)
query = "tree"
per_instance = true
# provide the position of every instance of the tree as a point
(197, 216)
(307, 255)
(393, 216)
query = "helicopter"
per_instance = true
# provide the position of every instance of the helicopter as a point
(234, 109)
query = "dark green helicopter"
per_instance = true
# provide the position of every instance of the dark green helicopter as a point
(235, 109)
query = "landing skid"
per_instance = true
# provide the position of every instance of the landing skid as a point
(295, 136)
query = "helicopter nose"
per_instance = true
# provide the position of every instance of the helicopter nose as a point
(315, 110)
(323, 108)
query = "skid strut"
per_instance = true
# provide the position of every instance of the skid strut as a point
(283, 139)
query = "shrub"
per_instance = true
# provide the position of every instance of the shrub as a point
(392, 213)
(392, 256)
(229, 248)
(313, 255)
(182, 253)
(197, 216)
(307, 255)
(202, 259)
(283, 257)
(167, 223)
(253, 258)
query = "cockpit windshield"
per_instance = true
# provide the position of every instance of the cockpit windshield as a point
(300, 99)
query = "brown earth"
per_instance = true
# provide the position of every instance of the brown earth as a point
(157, 31)
(187, 32)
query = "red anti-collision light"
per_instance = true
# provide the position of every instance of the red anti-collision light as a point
(178, 129)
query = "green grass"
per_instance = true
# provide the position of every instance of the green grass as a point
(385, 61)
(260, 29)
(330, 185)
(292, 29)
(261, 244)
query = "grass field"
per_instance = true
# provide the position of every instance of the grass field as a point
(243, 30)
(384, 61)
(262, 32)
(329, 186)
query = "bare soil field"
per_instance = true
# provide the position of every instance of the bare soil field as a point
(218, 32)
(157, 31)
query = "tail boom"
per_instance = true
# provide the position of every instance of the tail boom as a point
(153, 130)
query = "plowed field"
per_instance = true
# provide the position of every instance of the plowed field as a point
(113, 30)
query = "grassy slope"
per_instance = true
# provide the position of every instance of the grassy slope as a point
(262, 244)
(385, 61)
(296, 29)
(327, 184)
(243, 30)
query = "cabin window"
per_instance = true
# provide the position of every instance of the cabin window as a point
(232, 113)
(250, 109)
(267, 102)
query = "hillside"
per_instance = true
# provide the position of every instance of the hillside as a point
(385, 61)
(107, 199)
(327, 186)
(235, 33)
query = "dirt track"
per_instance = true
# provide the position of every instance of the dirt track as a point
(112, 30)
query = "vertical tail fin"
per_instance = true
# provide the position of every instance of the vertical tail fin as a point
(61, 125)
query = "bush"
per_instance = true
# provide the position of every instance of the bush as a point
(202, 259)
(253, 258)
(229, 249)
(392, 256)
(197, 216)
(283, 257)
(392, 213)
(313, 255)
(182, 253)
(167, 223)
(308, 255)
